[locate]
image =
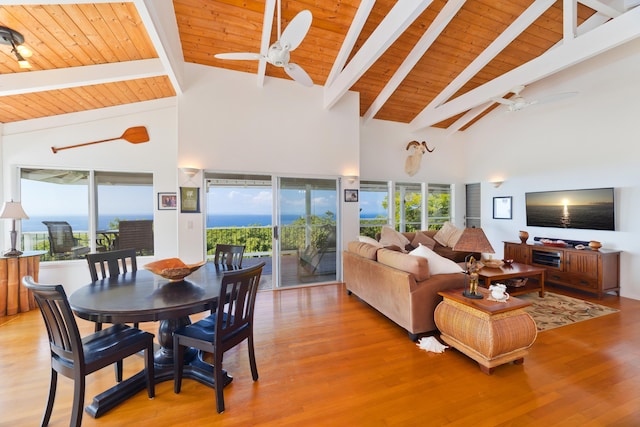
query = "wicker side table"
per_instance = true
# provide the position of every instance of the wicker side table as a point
(491, 333)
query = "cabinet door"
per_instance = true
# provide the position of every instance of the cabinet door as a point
(583, 263)
(517, 252)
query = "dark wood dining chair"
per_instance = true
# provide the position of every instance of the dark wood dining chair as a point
(109, 264)
(224, 329)
(62, 243)
(229, 256)
(76, 357)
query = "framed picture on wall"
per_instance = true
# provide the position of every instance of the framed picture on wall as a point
(502, 207)
(350, 195)
(189, 199)
(167, 201)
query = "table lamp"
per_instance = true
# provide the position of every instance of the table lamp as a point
(472, 240)
(13, 210)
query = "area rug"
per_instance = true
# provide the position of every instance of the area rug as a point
(555, 310)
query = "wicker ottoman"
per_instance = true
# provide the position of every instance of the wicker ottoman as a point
(491, 333)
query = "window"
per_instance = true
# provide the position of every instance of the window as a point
(374, 207)
(438, 205)
(408, 206)
(68, 196)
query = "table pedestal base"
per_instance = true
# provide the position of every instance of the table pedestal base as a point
(194, 368)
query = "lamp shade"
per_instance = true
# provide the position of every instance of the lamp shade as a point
(13, 210)
(473, 240)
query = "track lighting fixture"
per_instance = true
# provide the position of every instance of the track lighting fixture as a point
(15, 40)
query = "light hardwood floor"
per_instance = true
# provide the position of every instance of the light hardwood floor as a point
(327, 359)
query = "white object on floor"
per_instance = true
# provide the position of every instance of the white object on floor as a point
(431, 344)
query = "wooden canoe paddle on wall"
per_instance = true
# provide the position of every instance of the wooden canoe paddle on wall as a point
(134, 135)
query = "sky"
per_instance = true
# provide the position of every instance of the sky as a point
(570, 197)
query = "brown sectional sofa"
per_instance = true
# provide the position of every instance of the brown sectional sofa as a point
(397, 284)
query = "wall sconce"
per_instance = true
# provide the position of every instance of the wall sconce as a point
(190, 172)
(15, 40)
(497, 184)
(351, 178)
(13, 210)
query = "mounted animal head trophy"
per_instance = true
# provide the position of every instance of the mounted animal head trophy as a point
(412, 164)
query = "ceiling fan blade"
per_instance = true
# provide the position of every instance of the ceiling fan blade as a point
(502, 101)
(238, 55)
(298, 74)
(297, 29)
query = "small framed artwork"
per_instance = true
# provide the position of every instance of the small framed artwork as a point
(350, 195)
(189, 199)
(502, 207)
(167, 201)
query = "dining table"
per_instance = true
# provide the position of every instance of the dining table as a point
(142, 296)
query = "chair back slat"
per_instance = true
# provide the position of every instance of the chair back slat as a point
(62, 329)
(238, 293)
(229, 256)
(112, 263)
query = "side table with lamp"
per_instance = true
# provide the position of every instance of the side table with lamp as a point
(490, 332)
(14, 265)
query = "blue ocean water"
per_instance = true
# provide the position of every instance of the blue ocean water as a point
(81, 223)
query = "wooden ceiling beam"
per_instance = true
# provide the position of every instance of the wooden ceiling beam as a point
(433, 32)
(521, 23)
(392, 26)
(608, 36)
(39, 81)
(158, 17)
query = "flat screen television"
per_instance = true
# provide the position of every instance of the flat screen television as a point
(591, 209)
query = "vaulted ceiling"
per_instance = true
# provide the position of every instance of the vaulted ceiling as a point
(422, 62)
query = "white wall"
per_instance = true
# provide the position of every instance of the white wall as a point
(228, 124)
(383, 153)
(587, 141)
(29, 143)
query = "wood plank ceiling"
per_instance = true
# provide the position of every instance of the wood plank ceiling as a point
(406, 58)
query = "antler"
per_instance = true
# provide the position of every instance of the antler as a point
(424, 144)
(413, 144)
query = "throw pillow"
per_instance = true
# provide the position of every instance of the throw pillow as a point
(423, 239)
(445, 234)
(437, 263)
(391, 237)
(455, 237)
(369, 240)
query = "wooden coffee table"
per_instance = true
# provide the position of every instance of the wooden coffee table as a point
(513, 271)
(491, 333)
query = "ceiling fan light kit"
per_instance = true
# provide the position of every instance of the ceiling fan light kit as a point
(14, 39)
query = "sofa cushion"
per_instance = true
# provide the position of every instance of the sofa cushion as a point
(417, 266)
(370, 240)
(390, 237)
(363, 249)
(424, 240)
(437, 264)
(448, 235)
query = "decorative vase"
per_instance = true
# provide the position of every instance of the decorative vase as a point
(595, 245)
(523, 236)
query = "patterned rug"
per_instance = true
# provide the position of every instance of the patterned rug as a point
(556, 310)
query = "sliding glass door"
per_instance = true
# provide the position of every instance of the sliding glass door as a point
(307, 211)
(293, 231)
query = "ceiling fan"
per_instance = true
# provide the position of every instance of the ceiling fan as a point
(517, 102)
(278, 53)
